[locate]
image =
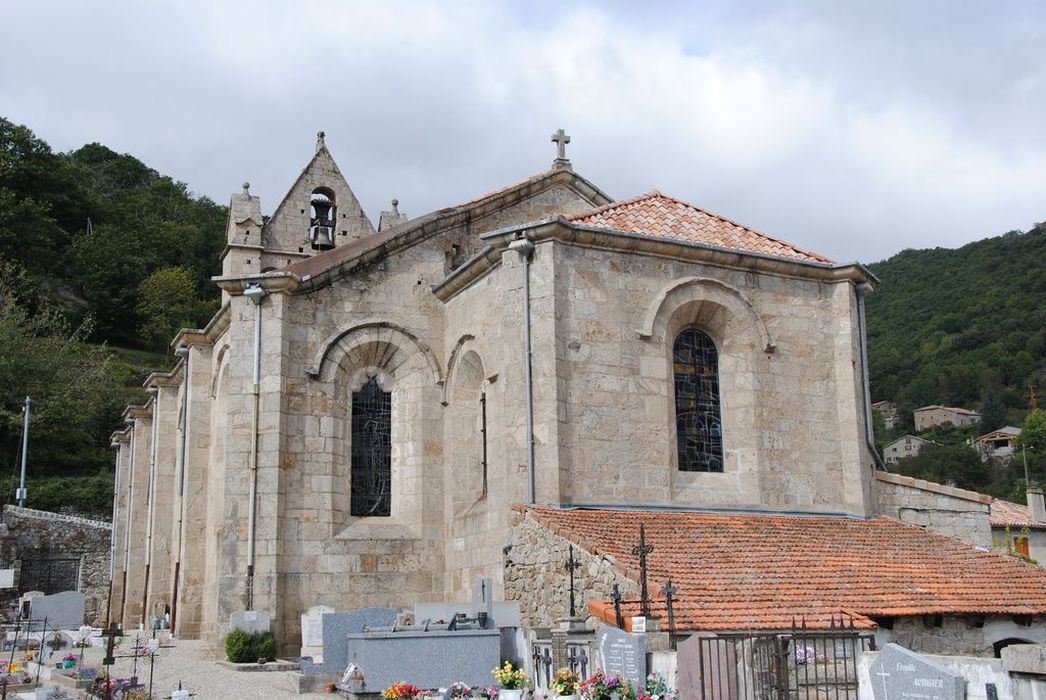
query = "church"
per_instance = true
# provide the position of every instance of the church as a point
(379, 415)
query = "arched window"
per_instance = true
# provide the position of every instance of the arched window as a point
(371, 467)
(699, 434)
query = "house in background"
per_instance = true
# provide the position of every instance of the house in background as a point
(904, 447)
(998, 443)
(888, 410)
(931, 416)
(1018, 529)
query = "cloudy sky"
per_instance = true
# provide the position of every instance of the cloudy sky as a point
(855, 129)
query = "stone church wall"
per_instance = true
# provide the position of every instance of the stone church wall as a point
(943, 509)
(34, 536)
(536, 576)
(791, 417)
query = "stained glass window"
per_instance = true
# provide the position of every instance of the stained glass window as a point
(699, 433)
(371, 451)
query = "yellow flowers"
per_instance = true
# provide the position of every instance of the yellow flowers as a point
(509, 677)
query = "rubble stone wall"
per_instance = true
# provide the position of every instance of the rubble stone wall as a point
(37, 534)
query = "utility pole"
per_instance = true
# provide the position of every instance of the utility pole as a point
(20, 494)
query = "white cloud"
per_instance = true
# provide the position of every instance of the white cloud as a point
(852, 131)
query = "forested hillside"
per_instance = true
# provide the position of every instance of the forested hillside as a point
(963, 327)
(102, 260)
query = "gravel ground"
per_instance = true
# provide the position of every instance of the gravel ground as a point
(195, 665)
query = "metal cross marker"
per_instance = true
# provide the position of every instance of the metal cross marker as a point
(572, 564)
(110, 634)
(669, 591)
(642, 550)
(615, 596)
(561, 140)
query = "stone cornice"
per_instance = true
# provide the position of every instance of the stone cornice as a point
(565, 231)
(933, 487)
(277, 282)
(207, 335)
(120, 437)
(139, 412)
(166, 379)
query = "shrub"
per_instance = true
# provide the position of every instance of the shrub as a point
(247, 647)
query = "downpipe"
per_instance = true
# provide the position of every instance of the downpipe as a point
(525, 248)
(151, 510)
(182, 352)
(112, 536)
(255, 293)
(862, 290)
(127, 528)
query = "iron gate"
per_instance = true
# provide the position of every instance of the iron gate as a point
(50, 575)
(801, 664)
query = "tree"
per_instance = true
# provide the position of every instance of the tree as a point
(993, 411)
(168, 303)
(75, 400)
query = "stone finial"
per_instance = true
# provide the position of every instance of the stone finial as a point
(396, 207)
(320, 135)
(246, 188)
(561, 139)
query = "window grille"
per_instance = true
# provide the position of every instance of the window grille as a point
(699, 435)
(371, 451)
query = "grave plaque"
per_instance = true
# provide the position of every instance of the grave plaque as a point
(63, 611)
(900, 674)
(312, 627)
(624, 654)
(250, 621)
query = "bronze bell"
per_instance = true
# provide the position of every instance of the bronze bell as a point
(321, 230)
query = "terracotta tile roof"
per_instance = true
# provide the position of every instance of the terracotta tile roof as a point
(656, 214)
(1006, 514)
(759, 570)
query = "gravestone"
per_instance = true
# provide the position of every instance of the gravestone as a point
(25, 603)
(250, 621)
(63, 611)
(624, 654)
(900, 674)
(337, 626)
(706, 668)
(312, 632)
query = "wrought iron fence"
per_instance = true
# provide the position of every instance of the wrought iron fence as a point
(801, 664)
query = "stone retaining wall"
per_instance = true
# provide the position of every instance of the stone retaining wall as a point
(36, 534)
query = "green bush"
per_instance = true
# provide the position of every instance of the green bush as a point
(247, 647)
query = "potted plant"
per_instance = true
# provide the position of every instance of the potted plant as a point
(460, 691)
(488, 692)
(401, 691)
(565, 683)
(512, 681)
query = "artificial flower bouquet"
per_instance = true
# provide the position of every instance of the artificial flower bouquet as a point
(401, 691)
(510, 677)
(565, 682)
(603, 686)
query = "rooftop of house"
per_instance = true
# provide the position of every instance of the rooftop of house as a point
(956, 409)
(1006, 514)
(756, 571)
(1007, 431)
(657, 214)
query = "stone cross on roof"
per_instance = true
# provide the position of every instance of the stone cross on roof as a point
(319, 140)
(561, 139)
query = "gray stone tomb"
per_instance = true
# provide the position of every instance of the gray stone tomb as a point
(900, 674)
(250, 621)
(64, 611)
(624, 654)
